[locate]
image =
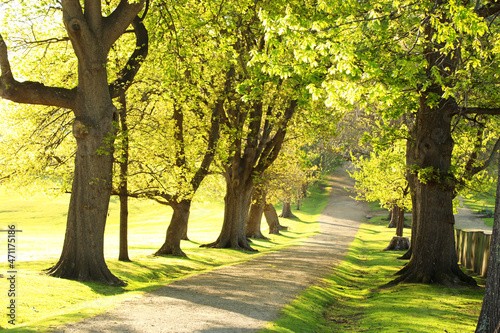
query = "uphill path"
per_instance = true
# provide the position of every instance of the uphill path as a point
(246, 296)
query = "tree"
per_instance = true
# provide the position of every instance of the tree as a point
(382, 177)
(177, 106)
(92, 36)
(427, 57)
(257, 112)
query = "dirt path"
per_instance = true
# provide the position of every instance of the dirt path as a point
(466, 219)
(243, 297)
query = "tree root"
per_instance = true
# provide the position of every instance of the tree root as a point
(228, 245)
(257, 235)
(100, 275)
(451, 277)
(176, 252)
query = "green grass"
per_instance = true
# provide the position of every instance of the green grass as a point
(45, 302)
(350, 300)
(483, 203)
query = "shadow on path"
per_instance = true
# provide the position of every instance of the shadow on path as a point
(243, 297)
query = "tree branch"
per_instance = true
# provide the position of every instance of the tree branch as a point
(489, 9)
(30, 92)
(273, 147)
(213, 137)
(93, 15)
(487, 163)
(115, 24)
(128, 72)
(478, 110)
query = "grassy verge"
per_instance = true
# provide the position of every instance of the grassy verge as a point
(44, 302)
(484, 204)
(350, 300)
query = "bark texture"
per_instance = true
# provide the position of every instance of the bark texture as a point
(253, 228)
(176, 230)
(82, 256)
(286, 211)
(272, 220)
(236, 208)
(433, 245)
(489, 319)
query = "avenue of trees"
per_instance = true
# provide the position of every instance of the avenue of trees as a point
(147, 98)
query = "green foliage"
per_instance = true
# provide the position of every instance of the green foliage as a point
(382, 177)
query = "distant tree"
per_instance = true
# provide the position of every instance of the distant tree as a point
(381, 177)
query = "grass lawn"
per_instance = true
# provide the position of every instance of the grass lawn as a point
(44, 301)
(350, 300)
(483, 203)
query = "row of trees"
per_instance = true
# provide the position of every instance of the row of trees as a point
(202, 103)
(228, 81)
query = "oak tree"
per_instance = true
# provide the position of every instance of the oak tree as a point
(91, 35)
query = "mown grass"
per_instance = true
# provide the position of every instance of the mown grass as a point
(350, 299)
(44, 302)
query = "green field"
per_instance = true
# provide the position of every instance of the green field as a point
(45, 301)
(350, 299)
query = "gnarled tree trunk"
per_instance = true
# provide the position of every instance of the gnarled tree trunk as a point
(433, 245)
(272, 220)
(236, 208)
(82, 257)
(286, 211)
(255, 216)
(176, 230)
(489, 319)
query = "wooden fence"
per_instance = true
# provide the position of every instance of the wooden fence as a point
(473, 250)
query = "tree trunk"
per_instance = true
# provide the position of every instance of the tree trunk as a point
(123, 186)
(398, 242)
(237, 205)
(286, 212)
(412, 181)
(433, 244)
(91, 36)
(255, 216)
(123, 254)
(273, 220)
(298, 199)
(185, 233)
(400, 220)
(176, 230)
(489, 319)
(393, 218)
(82, 256)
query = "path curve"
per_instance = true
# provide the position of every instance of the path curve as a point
(242, 297)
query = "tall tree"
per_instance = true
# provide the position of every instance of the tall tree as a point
(262, 100)
(428, 56)
(92, 35)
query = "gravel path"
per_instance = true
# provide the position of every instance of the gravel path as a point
(466, 219)
(243, 297)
